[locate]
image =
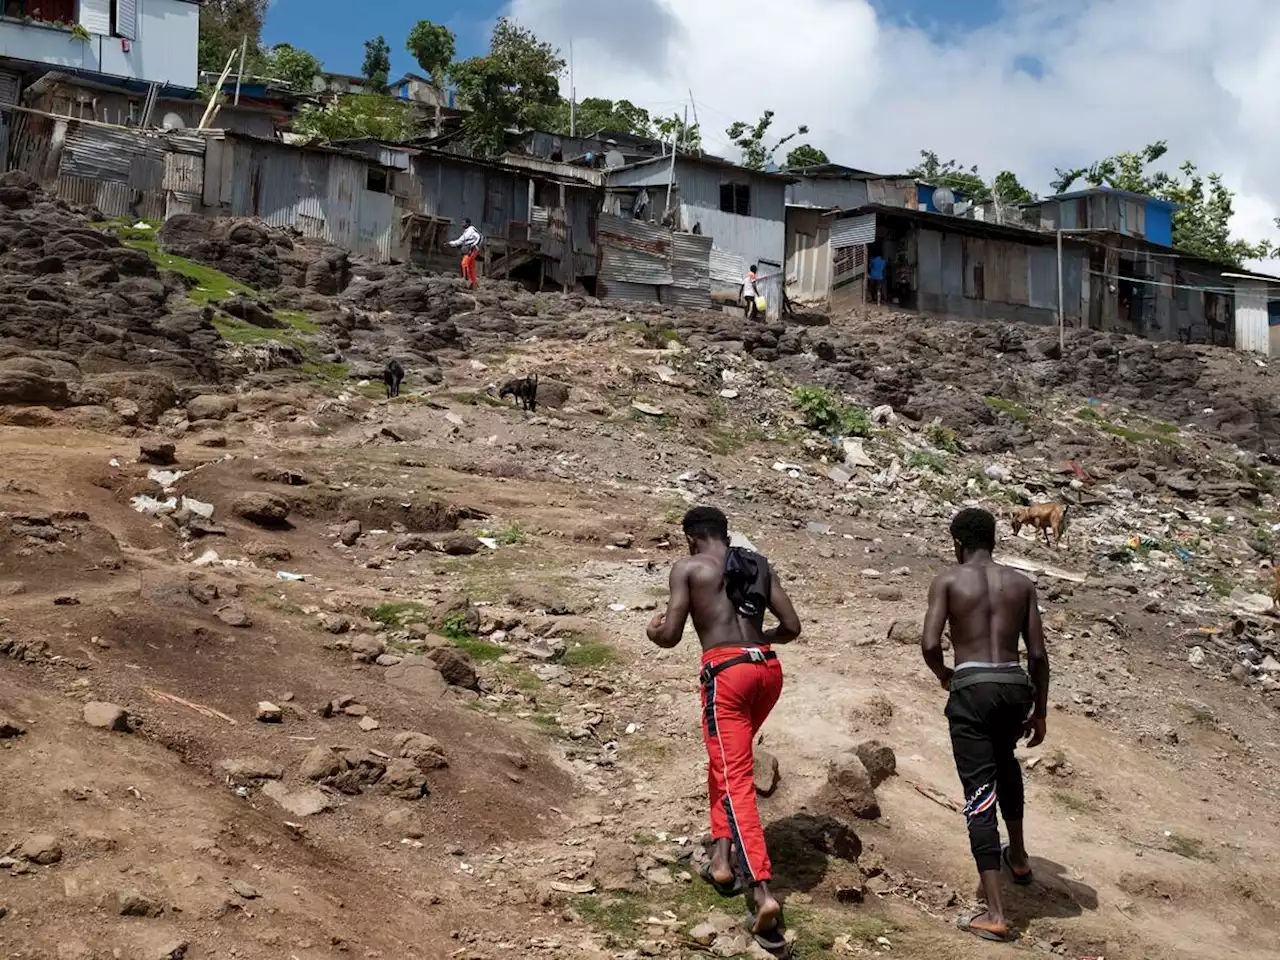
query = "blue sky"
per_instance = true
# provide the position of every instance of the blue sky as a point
(310, 24)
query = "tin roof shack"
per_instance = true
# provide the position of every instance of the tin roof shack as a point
(538, 220)
(957, 267)
(1257, 312)
(743, 211)
(122, 102)
(835, 187)
(1103, 209)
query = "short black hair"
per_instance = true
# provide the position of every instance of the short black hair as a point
(706, 523)
(753, 268)
(467, 221)
(974, 529)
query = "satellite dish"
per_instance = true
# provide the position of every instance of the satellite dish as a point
(172, 121)
(944, 200)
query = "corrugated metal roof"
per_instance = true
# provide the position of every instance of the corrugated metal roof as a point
(633, 251)
(103, 153)
(853, 231)
(727, 267)
(636, 266)
(690, 271)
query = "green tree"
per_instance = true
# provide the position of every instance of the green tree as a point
(434, 47)
(594, 115)
(224, 24)
(1202, 222)
(509, 88)
(356, 116)
(674, 130)
(750, 140)
(967, 181)
(296, 68)
(377, 63)
(805, 156)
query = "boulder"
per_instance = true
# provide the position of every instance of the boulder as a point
(350, 533)
(263, 509)
(552, 394)
(879, 760)
(615, 868)
(456, 667)
(767, 773)
(321, 764)
(19, 388)
(417, 675)
(41, 849)
(153, 393)
(460, 545)
(404, 781)
(210, 406)
(248, 769)
(423, 750)
(366, 648)
(106, 716)
(852, 786)
(157, 451)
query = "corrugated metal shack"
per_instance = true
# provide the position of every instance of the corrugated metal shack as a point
(956, 267)
(649, 263)
(743, 210)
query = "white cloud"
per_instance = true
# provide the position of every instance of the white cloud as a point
(1118, 74)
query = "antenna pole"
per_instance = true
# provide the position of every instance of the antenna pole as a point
(573, 96)
(244, 48)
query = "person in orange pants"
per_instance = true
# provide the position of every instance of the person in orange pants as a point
(727, 590)
(470, 244)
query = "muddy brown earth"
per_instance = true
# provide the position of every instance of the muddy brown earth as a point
(292, 670)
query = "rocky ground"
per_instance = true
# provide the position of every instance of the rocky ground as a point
(294, 671)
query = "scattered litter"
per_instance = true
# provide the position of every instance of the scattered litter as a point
(166, 478)
(854, 455)
(1031, 566)
(632, 728)
(729, 394)
(207, 559)
(198, 507)
(489, 542)
(792, 470)
(821, 529)
(738, 540)
(113, 462)
(648, 409)
(618, 607)
(142, 225)
(152, 507)
(840, 476)
(666, 374)
(577, 889)
(290, 577)
(454, 419)
(1196, 656)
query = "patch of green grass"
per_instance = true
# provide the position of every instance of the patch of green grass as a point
(1221, 586)
(823, 411)
(321, 370)
(1165, 429)
(1137, 436)
(1069, 801)
(1014, 411)
(397, 614)
(617, 914)
(521, 678)
(1261, 477)
(209, 284)
(1190, 848)
(299, 321)
(942, 437)
(927, 460)
(241, 333)
(512, 536)
(587, 652)
(1088, 414)
(482, 651)
(655, 338)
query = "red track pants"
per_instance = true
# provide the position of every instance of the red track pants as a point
(469, 267)
(735, 704)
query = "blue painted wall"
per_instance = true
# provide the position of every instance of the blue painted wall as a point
(1159, 223)
(924, 197)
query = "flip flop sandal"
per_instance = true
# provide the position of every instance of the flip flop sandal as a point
(1021, 879)
(965, 923)
(774, 939)
(724, 889)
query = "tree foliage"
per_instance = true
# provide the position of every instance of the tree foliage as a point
(676, 131)
(750, 140)
(377, 63)
(434, 47)
(296, 68)
(358, 115)
(223, 26)
(805, 156)
(595, 115)
(1202, 222)
(515, 83)
(967, 181)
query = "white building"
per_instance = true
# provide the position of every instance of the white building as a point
(149, 41)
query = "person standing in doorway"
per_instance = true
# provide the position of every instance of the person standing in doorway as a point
(993, 702)
(750, 293)
(875, 276)
(727, 590)
(470, 244)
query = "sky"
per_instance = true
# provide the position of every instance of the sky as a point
(1023, 85)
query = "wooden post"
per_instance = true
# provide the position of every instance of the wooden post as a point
(1062, 323)
(244, 48)
(866, 273)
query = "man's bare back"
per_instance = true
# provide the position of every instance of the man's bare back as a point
(698, 589)
(987, 606)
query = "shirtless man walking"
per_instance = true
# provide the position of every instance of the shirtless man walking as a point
(727, 590)
(993, 703)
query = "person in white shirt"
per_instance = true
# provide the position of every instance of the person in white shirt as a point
(470, 244)
(750, 293)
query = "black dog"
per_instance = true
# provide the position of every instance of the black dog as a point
(392, 374)
(524, 390)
